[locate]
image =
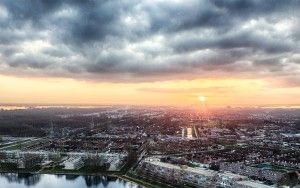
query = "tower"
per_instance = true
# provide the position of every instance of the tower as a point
(92, 124)
(51, 131)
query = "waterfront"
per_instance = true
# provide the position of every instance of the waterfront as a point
(14, 180)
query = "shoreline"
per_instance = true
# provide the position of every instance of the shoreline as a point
(127, 177)
(111, 174)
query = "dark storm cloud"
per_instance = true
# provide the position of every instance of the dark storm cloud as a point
(246, 39)
(144, 40)
(29, 62)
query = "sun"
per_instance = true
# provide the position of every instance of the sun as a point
(202, 98)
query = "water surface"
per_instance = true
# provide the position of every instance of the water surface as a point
(14, 180)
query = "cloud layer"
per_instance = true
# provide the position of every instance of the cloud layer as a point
(128, 40)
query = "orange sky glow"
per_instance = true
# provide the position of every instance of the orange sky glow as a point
(218, 92)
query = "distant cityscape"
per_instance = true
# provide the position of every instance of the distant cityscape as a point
(156, 146)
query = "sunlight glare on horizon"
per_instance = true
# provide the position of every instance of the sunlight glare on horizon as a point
(202, 99)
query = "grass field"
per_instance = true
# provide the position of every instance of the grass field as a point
(274, 167)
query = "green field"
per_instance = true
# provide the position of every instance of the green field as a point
(274, 167)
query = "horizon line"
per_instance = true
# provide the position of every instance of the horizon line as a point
(28, 105)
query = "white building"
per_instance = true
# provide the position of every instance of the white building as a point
(155, 169)
(182, 175)
(228, 179)
(250, 184)
(73, 163)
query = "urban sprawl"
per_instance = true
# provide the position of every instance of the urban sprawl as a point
(156, 146)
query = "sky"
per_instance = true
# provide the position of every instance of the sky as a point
(150, 52)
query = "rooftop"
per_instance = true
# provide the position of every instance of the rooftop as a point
(233, 176)
(73, 159)
(254, 184)
(165, 165)
(200, 171)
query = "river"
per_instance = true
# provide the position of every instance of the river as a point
(14, 180)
